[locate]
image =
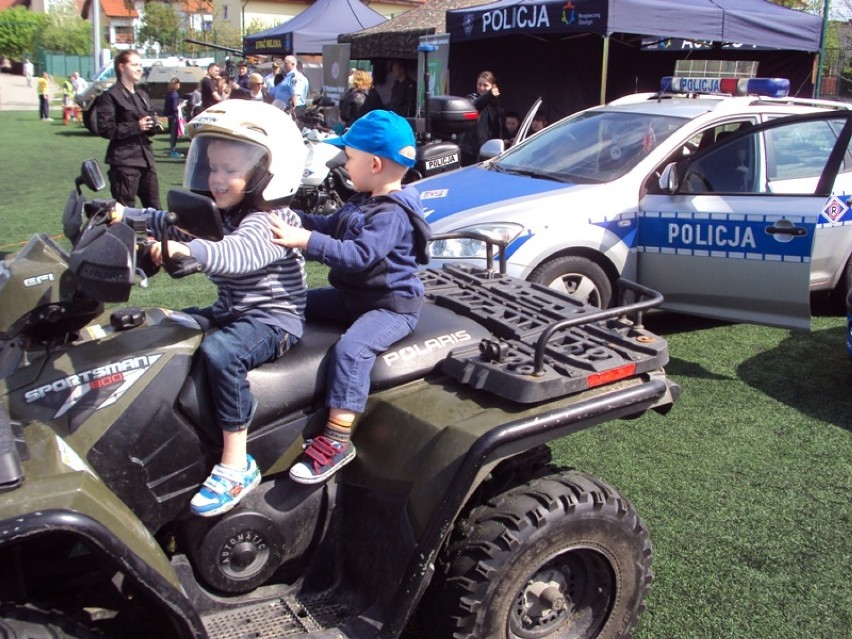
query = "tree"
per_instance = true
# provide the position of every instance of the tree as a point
(161, 23)
(19, 30)
(66, 31)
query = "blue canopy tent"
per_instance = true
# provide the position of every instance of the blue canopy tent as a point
(577, 53)
(317, 25)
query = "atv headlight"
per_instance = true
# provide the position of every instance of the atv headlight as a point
(470, 247)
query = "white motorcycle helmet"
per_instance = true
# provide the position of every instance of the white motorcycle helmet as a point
(268, 139)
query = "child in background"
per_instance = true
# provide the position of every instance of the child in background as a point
(373, 246)
(247, 155)
(171, 110)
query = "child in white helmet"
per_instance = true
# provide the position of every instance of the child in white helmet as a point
(246, 156)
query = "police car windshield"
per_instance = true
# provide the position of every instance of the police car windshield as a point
(589, 148)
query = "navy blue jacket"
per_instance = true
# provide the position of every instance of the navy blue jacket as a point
(373, 246)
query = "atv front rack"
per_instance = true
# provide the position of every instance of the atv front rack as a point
(544, 344)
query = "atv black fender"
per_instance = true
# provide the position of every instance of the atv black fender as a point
(61, 494)
(416, 446)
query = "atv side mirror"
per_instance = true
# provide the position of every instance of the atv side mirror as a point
(72, 216)
(196, 214)
(90, 175)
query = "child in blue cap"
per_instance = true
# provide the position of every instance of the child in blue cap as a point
(373, 246)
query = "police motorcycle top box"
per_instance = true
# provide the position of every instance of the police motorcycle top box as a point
(451, 508)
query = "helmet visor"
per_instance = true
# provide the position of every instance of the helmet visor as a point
(226, 168)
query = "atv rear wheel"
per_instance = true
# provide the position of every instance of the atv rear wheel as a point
(562, 556)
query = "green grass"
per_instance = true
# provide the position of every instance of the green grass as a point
(744, 485)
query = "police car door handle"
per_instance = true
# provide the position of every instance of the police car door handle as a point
(784, 229)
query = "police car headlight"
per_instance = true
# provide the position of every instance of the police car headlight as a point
(470, 247)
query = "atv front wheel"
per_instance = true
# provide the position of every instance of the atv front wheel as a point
(28, 622)
(562, 556)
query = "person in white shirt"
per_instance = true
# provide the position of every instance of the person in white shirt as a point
(269, 78)
(78, 83)
(292, 93)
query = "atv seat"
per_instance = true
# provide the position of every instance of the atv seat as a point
(298, 379)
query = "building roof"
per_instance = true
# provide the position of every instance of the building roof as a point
(400, 36)
(118, 9)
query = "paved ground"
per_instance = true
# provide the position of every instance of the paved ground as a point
(15, 95)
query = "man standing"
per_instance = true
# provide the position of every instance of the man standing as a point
(269, 78)
(78, 82)
(43, 90)
(292, 93)
(403, 100)
(243, 77)
(210, 93)
(29, 70)
(126, 119)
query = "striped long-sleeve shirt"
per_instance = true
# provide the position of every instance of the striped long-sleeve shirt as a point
(252, 275)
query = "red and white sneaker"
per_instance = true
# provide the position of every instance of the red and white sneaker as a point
(322, 458)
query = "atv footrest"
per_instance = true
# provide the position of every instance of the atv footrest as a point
(277, 617)
(545, 344)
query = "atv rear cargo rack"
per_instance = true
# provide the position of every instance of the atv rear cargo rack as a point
(545, 344)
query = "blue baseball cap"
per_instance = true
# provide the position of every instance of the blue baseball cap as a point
(381, 133)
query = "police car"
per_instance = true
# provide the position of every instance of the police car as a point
(734, 205)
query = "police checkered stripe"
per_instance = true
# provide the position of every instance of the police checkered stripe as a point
(690, 216)
(829, 225)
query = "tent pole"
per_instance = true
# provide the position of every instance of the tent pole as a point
(604, 66)
(821, 55)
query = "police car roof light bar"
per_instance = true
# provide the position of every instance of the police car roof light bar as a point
(764, 87)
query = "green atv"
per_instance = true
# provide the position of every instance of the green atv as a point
(452, 508)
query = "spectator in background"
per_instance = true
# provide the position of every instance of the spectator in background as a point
(539, 122)
(126, 119)
(292, 93)
(269, 78)
(510, 127)
(243, 76)
(29, 70)
(78, 82)
(255, 89)
(382, 82)
(171, 109)
(43, 90)
(211, 88)
(489, 124)
(5, 65)
(403, 100)
(352, 104)
(194, 103)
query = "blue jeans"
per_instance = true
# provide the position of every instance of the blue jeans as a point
(229, 354)
(368, 335)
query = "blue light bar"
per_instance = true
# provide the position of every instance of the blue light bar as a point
(766, 87)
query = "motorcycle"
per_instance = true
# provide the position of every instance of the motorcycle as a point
(452, 507)
(326, 184)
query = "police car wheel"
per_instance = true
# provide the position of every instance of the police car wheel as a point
(578, 277)
(839, 296)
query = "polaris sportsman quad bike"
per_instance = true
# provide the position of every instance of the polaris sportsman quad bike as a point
(451, 507)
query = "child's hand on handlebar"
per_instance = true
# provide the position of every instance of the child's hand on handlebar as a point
(117, 213)
(175, 249)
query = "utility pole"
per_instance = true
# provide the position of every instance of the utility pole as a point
(96, 27)
(821, 56)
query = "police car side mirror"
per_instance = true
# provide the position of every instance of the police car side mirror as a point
(669, 181)
(491, 149)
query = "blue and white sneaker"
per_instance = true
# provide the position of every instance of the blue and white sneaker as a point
(322, 458)
(224, 489)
